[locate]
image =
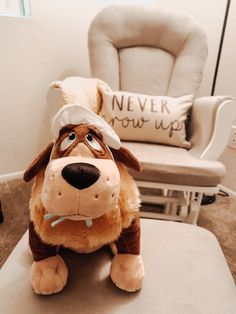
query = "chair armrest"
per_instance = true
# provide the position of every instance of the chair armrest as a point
(211, 123)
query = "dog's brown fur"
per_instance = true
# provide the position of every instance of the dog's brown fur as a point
(74, 234)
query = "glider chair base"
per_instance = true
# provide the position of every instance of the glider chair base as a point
(180, 203)
(171, 176)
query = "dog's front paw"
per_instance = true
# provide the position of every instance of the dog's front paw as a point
(127, 271)
(49, 275)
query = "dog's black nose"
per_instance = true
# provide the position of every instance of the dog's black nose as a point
(80, 174)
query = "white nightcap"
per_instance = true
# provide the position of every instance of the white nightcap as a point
(76, 114)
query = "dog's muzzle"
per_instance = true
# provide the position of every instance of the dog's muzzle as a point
(80, 188)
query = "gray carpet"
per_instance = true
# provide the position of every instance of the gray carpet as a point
(14, 197)
(219, 217)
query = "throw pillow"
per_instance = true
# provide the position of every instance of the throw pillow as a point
(138, 117)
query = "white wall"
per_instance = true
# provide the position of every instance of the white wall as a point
(210, 13)
(52, 45)
(226, 84)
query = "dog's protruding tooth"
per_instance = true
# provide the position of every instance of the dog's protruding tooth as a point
(48, 216)
(56, 222)
(89, 222)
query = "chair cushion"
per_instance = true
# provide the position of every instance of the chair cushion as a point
(145, 69)
(186, 273)
(118, 28)
(138, 117)
(173, 165)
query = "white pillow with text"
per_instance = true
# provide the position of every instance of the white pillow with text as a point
(138, 117)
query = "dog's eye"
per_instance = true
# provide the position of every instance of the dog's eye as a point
(66, 143)
(93, 142)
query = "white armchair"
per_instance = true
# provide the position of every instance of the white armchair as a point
(159, 51)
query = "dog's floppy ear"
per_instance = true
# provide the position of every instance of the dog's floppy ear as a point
(126, 157)
(39, 163)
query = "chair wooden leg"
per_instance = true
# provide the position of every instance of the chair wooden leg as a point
(194, 208)
(167, 193)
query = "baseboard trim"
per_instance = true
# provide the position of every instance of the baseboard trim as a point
(11, 176)
(230, 192)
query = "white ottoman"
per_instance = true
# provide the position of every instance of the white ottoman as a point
(186, 272)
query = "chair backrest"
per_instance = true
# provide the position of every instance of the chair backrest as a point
(149, 50)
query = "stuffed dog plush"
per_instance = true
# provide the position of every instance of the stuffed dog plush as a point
(83, 198)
